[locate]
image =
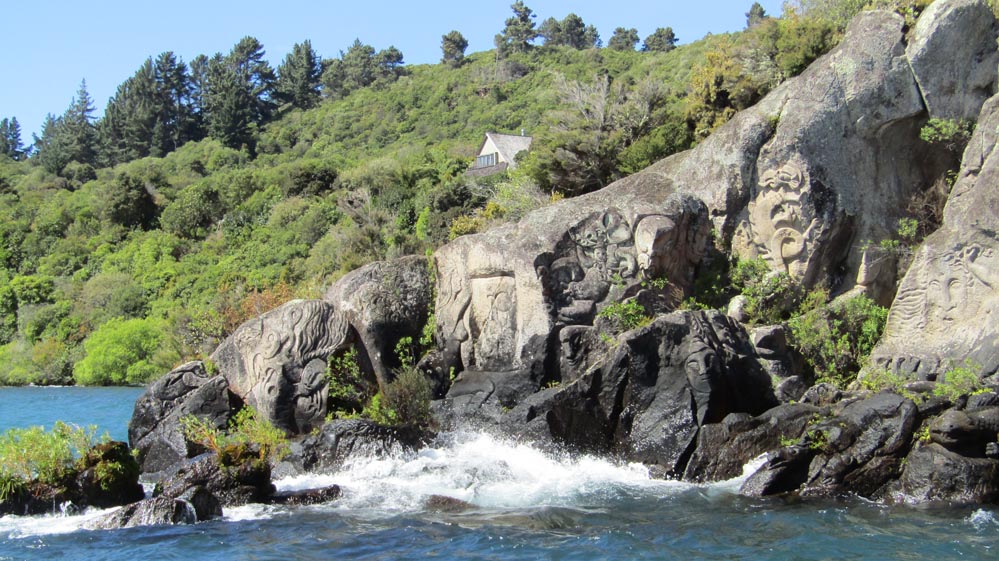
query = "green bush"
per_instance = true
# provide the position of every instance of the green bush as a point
(950, 133)
(246, 431)
(837, 338)
(121, 352)
(408, 397)
(625, 316)
(958, 381)
(770, 296)
(34, 453)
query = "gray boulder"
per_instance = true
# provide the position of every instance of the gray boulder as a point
(952, 51)
(384, 302)
(723, 449)
(196, 505)
(934, 473)
(504, 295)
(155, 429)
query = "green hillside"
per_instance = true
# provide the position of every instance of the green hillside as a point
(114, 274)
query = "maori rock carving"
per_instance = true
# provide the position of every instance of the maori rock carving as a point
(493, 322)
(943, 290)
(275, 362)
(781, 227)
(595, 254)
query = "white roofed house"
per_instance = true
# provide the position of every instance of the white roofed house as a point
(498, 152)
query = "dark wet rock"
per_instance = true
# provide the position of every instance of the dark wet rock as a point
(966, 432)
(155, 429)
(724, 448)
(342, 440)
(861, 449)
(240, 480)
(933, 473)
(647, 399)
(784, 472)
(305, 497)
(195, 505)
(109, 476)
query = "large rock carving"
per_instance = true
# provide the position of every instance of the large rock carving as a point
(504, 295)
(946, 312)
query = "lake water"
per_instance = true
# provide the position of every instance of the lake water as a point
(527, 505)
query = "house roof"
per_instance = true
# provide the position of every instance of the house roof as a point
(509, 145)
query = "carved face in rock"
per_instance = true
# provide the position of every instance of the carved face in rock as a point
(282, 356)
(779, 225)
(967, 279)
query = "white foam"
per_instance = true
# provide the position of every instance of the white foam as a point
(983, 519)
(25, 526)
(485, 471)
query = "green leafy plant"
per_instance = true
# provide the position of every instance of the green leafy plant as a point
(958, 381)
(408, 397)
(952, 134)
(34, 453)
(246, 431)
(625, 316)
(836, 338)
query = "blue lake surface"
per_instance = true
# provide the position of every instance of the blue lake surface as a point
(527, 505)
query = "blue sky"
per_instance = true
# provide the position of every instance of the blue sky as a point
(50, 45)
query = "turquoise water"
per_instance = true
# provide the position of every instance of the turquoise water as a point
(527, 505)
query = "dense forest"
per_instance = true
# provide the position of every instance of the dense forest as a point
(213, 190)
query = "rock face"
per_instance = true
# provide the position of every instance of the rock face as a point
(155, 430)
(276, 363)
(946, 312)
(953, 55)
(383, 303)
(504, 295)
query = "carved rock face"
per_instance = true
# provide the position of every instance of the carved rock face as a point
(946, 311)
(276, 363)
(502, 291)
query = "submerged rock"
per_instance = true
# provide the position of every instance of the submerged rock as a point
(196, 505)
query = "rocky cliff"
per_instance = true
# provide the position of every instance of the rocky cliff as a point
(809, 180)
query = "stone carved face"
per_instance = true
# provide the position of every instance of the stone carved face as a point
(779, 225)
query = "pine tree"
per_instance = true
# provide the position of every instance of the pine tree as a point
(52, 149)
(623, 39)
(662, 40)
(570, 32)
(298, 77)
(453, 46)
(519, 31)
(10, 139)
(78, 124)
(755, 15)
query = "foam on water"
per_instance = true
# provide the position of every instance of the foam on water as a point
(487, 472)
(50, 524)
(983, 519)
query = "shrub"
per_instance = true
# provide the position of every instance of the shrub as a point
(949, 133)
(348, 390)
(46, 456)
(958, 381)
(247, 431)
(408, 396)
(625, 316)
(770, 296)
(836, 338)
